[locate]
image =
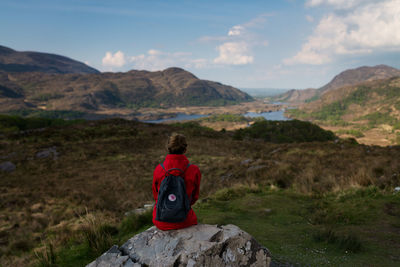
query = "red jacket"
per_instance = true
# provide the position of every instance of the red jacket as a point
(192, 182)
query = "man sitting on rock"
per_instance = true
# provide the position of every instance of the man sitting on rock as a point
(176, 186)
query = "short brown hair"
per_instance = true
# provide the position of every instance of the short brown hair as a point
(176, 144)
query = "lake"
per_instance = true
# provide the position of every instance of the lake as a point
(179, 117)
(272, 116)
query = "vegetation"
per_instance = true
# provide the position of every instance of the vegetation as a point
(92, 240)
(315, 97)
(353, 132)
(47, 97)
(378, 118)
(320, 230)
(50, 114)
(376, 102)
(52, 208)
(225, 117)
(15, 123)
(285, 132)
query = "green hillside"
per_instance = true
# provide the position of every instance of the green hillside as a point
(362, 107)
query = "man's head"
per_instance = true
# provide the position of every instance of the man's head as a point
(176, 144)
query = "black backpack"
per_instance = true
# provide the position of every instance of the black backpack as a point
(173, 202)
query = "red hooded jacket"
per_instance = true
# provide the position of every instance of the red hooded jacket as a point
(192, 183)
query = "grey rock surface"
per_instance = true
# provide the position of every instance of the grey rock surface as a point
(48, 152)
(7, 166)
(199, 245)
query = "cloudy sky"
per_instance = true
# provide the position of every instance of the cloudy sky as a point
(247, 44)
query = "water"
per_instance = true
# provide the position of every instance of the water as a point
(272, 116)
(179, 117)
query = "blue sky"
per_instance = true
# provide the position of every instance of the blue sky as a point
(247, 44)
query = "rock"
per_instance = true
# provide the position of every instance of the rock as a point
(256, 168)
(7, 166)
(148, 206)
(113, 257)
(199, 245)
(226, 176)
(245, 162)
(47, 153)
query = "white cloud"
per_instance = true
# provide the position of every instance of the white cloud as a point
(339, 4)
(154, 52)
(236, 47)
(158, 60)
(236, 30)
(233, 53)
(368, 28)
(116, 60)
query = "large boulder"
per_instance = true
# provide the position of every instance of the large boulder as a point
(199, 245)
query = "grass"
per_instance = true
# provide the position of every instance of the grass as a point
(105, 168)
(94, 239)
(286, 223)
(378, 118)
(353, 132)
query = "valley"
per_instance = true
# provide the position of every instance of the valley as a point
(76, 161)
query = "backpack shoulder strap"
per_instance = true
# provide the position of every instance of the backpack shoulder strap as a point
(167, 171)
(162, 166)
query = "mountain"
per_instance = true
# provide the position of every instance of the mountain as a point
(361, 74)
(296, 96)
(346, 78)
(102, 91)
(14, 61)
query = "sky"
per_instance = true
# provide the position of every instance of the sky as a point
(247, 44)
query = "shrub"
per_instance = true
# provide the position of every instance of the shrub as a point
(353, 132)
(12, 123)
(226, 117)
(47, 256)
(348, 242)
(97, 235)
(285, 132)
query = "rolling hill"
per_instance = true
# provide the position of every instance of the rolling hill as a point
(369, 111)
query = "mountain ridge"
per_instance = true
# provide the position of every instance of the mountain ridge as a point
(28, 61)
(349, 77)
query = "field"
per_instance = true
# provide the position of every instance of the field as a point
(64, 204)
